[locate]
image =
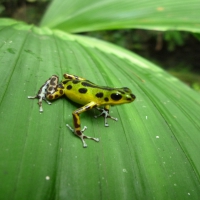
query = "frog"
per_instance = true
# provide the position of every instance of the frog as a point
(85, 93)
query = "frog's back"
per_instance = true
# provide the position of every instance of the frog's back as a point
(83, 92)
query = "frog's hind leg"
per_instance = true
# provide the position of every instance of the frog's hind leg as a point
(40, 97)
(77, 124)
(105, 113)
(47, 88)
(73, 77)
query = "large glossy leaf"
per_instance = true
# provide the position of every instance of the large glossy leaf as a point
(152, 152)
(80, 16)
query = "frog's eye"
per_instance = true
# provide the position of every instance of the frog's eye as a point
(116, 96)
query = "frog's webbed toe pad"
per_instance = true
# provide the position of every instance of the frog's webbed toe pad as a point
(41, 98)
(105, 114)
(81, 135)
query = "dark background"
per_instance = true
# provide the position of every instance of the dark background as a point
(175, 51)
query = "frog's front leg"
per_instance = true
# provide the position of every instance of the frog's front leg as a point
(77, 123)
(49, 90)
(105, 113)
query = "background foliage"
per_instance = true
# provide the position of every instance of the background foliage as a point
(175, 51)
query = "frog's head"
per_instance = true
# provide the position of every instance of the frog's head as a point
(121, 95)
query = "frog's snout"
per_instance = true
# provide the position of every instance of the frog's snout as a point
(130, 97)
(133, 96)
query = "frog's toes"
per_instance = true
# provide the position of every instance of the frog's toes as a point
(106, 124)
(84, 128)
(32, 97)
(70, 127)
(96, 139)
(114, 118)
(48, 102)
(84, 145)
(81, 135)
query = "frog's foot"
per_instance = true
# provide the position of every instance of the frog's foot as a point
(81, 135)
(39, 101)
(105, 113)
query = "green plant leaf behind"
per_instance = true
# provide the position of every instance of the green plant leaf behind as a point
(151, 152)
(90, 15)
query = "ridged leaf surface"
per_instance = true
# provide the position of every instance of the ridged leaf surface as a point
(152, 152)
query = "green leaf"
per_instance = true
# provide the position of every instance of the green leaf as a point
(90, 15)
(152, 152)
